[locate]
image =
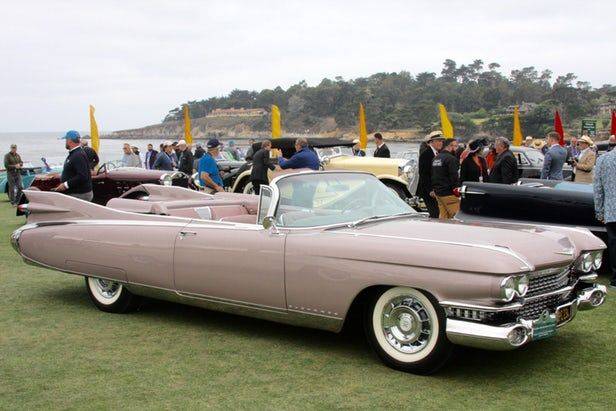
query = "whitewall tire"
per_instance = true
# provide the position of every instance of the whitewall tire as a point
(110, 296)
(248, 188)
(406, 329)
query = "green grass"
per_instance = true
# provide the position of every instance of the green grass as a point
(58, 351)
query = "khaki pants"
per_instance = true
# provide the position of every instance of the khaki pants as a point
(448, 206)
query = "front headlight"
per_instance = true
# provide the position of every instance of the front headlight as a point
(521, 285)
(597, 258)
(585, 262)
(514, 286)
(405, 172)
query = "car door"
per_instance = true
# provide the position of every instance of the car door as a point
(233, 262)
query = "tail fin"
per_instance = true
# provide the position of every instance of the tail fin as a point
(52, 206)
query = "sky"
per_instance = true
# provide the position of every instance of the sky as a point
(136, 60)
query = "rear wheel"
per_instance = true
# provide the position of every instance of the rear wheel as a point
(406, 329)
(111, 296)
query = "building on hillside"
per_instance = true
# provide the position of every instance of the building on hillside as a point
(524, 107)
(607, 107)
(237, 112)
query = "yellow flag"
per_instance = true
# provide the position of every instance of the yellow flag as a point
(276, 127)
(187, 133)
(517, 129)
(363, 134)
(93, 130)
(446, 126)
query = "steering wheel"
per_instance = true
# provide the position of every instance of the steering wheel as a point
(102, 169)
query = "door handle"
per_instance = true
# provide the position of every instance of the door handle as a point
(187, 234)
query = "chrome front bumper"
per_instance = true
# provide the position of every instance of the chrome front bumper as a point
(515, 335)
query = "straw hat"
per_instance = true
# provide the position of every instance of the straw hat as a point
(587, 140)
(435, 135)
(538, 144)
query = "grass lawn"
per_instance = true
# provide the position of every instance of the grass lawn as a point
(58, 351)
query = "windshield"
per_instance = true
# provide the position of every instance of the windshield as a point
(327, 152)
(535, 157)
(318, 199)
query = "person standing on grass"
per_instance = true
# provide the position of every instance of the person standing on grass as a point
(505, 167)
(150, 157)
(129, 158)
(186, 160)
(446, 179)
(604, 189)
(163, 159)
(382, 150)
(260, 164)
(434, 142)
(91, 154)
(555, 158)
(76, 176)
(13, 166)
(209, 174)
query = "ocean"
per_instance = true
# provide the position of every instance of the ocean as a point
(33, 146)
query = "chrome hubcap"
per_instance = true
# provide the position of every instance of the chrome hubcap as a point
(106, 288)
(406, 324)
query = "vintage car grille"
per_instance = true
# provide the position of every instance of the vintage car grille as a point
(549, 280)
(533, 309)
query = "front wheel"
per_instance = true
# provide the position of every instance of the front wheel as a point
(248, 188)
(406, 329)
(111, 296)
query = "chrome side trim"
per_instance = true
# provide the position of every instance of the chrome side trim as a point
(492, 309)
(527, 265)
(291, 317)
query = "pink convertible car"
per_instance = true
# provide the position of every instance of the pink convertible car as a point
(313, 248)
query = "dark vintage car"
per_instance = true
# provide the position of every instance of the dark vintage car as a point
(111, 181)
(604, 146)
(530, 162)
(532, 201)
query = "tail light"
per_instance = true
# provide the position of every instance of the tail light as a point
(23, 209)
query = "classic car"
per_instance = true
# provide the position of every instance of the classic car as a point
(533, 202)
(28, 174)
(336, 154)
(604, 146)
(530, 162)
(316, 247)
(111, 180)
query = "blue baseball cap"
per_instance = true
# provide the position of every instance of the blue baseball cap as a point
(213, 143)
(71, 135)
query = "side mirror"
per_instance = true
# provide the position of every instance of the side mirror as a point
(269, 222)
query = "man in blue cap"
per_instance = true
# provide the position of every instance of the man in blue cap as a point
(76, 177)
(209, 175)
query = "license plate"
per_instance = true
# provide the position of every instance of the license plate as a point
(563, 314)
(544, 327)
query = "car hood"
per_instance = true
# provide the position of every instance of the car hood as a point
(359, 162)
(484, 247)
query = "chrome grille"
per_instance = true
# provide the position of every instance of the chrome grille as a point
(533, 309)
(548, 280)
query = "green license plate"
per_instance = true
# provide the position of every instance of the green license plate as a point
(544, 327)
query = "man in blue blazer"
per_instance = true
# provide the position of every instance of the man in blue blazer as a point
(555, 158)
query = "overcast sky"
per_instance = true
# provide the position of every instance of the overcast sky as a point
(135, 60)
